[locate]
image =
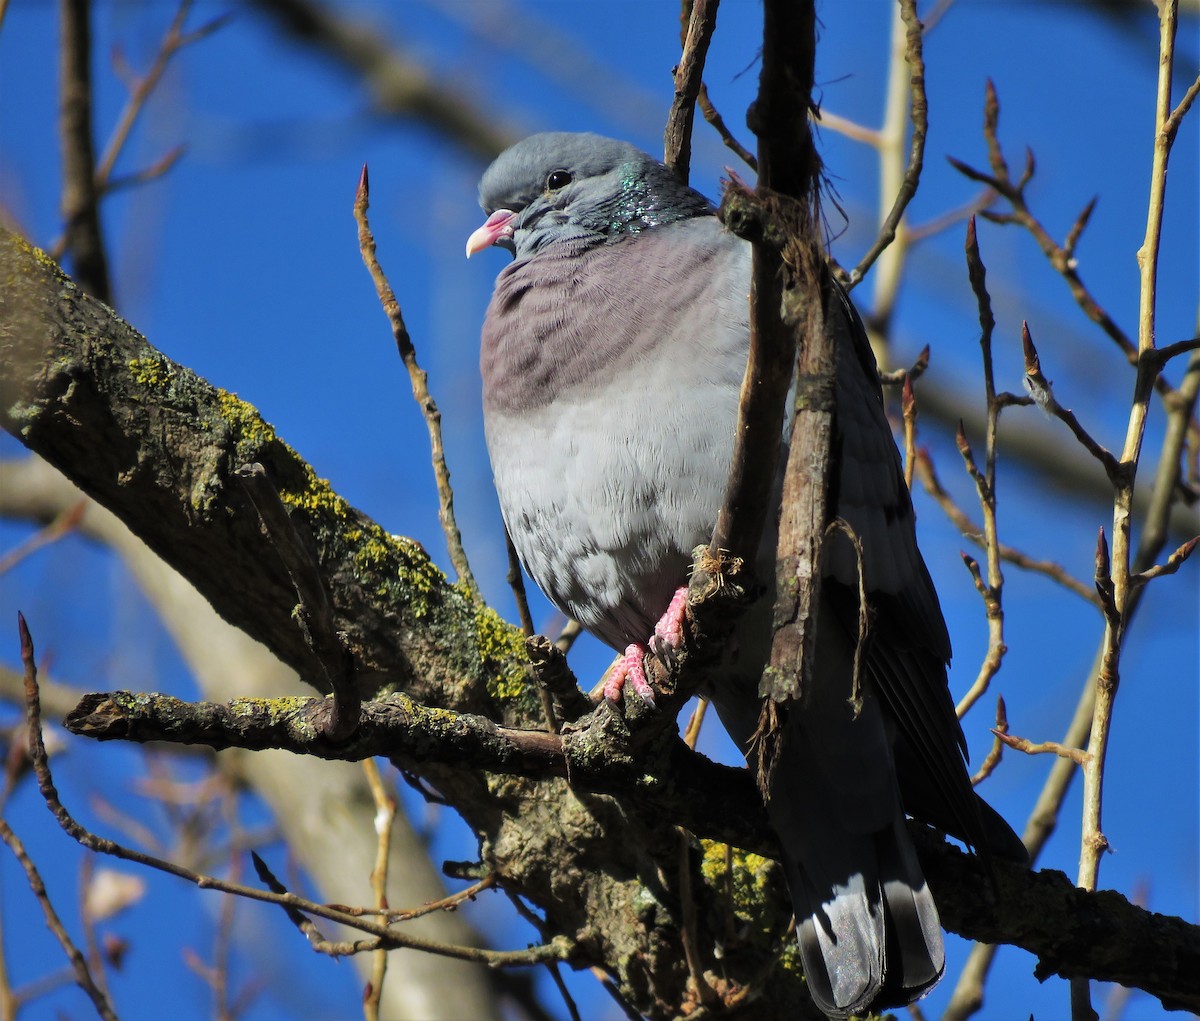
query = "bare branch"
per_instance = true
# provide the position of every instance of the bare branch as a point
(1043, 396)
(992, 760)
(140, 90)
(974, 532)
(1101, 923)
(677, 136)
(420, 388)
(919, 117)
(1020, 744)
(80, 196)
(37, 752)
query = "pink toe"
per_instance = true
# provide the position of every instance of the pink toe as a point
(669, 628)
(629, 669)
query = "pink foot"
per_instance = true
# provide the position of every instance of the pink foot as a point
(666, 640)
(629, 668)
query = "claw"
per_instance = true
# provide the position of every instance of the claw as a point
(629, 669)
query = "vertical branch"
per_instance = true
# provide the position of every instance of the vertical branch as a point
(677, 136)
(1093, 842)
(788, 313)
(80, 199)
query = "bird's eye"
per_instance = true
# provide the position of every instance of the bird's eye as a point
(558, 179)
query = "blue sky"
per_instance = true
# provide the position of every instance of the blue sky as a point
(242, 264)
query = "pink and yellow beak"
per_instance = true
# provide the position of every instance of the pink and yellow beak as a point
(499, 226)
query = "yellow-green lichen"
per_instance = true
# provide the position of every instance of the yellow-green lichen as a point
(376, 555)
(754, 889)
(152, 372)
(247, 424)
(502, 649)
(419, 576)
(315, 496)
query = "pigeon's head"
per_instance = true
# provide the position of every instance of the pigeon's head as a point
(562, 186)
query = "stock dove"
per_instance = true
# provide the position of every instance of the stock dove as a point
(612, 356)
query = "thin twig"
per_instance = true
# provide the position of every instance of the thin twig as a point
(516, 581)
(83, 976)
(297, 909)
(420, 388)
(62, 525)
(451, 902)
(972, 531)
(718, 122)
(985, 484)
(989, 764)
(919, 118)
(898, 377)
(92, 955)
(561, 986)
(37, 751)
(931, 228)
(1040, 389)
(141, 88)
(1174, 562)
(908, 408)
(850, 129)
(1061, 257)
(153, 172)
(1021, 744)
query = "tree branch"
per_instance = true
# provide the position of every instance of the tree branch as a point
(1072, 932)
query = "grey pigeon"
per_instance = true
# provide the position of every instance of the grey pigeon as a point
(612, 356)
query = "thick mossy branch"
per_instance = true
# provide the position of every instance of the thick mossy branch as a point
(158, 446)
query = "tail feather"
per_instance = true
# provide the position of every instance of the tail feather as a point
(842, 940)
(872, 938)
(866, 924)
(918, 929)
